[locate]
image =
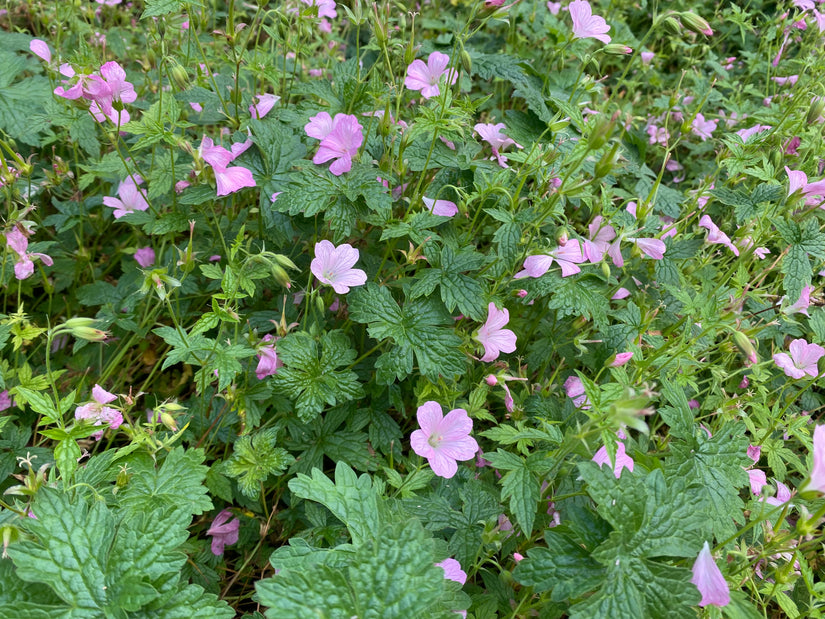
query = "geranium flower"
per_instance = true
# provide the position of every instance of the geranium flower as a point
(145, 257)
(268, 362)
(340, 140)
(601, 457)
(41, 49)
(97, 411)
(262, 104)
(131, 198)
(600, 236)
(585, 24)
(495, 137)
(798, 181)
(333, 266)
(567, 256)
(703, 128)
(802, 360)
(228, 180)
(715, 235)
(19, 243)
(326, 8)
(709, 580)
(758, 480)
(574, 388)
(493, 336)
(443, 440)
(426, 77)
(445, 208)
(224, 532)
(816, 480)
(802, 304)
(452, 570)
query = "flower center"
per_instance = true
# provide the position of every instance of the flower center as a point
(435, 439)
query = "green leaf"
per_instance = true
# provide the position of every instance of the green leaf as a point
(254, 459)
(313, 382)
(520, 485)
(796, 266)
(457, 289)
(416, 331)
(155, 8)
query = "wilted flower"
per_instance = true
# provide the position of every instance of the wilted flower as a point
(268, 362)
(224, 532)
(585, 24)
(802, 360)
(443, 440)
(493, 336)
(333, 266)
(709, 580)
(426, 77)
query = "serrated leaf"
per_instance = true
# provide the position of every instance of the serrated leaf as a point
(254, 459)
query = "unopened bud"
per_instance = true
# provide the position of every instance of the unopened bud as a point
(177, 74)
(744, 344)
(605, 269)
(378, 27)
(559, 125)
(562, 236)
(466, 62)
(617, 49)
(602, 133)
(695, 23)
(815, 110)
(672, 25)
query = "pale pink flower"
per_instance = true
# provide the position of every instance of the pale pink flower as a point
(816, 480)
(574, 388)
(567, 256)
(802, 305)
(703, 128)
(709, 580)
(426, 77)
(268, 362)
(585, 24)
(341, 140)
(783, 495)
(443, 440)
(647, 57)
(5, 400)
(326, 8)
(262, 104)
(452, 570)
(495, 137)
(41, 49)
(798, 181)
(802, 360)
(97, 411)
(601, 457)
(445, 208)
(715, 235)
(333, 266)
(782, 81)
(553, 7)
(493, 336)
(131, 199)
(224, 532)
(758, 480)
(600, 236)
(620, 359)
(19, 243)
(228, 179)
(145, 257)
(751, 131)
(621, 293)
(652, 248)
(754, 451)
(658, 135)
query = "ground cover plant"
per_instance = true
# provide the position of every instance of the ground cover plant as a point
(412, 310)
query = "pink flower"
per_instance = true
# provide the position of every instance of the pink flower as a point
(647, 57)
(574, 388)
(452, 570)
(553, 7)
(19, 243)
(791, 80)
(585, 24)
(5, 400)
(445, 208)
(798, 181)
(41, 49)
(228, 180)
(131, 198)
(754, 451)
(106, 89)
(620, 359)
(758, 480)
(567, 257)
(333, 266)
(493, 336)
(262, 104)
(802, 305)
(709, 580)
(802, 360)
(783, 495)
(652, 248)
(816, 480)
(601, 457)
(751, 131)
(145, 257)
(443, 440)
(715, 235)
(426, 77)
(97, 411)
(340, 140)
(326, 8)
(703, 128)
(621, 293)
(268, 362)
(495, 137)
(224, 532)
(600, 236)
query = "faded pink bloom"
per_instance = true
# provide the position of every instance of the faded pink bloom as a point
(443, 440)
(268, 362)
(798, 181)
(600, 236)
(574, 388)
(802, 360)
(493, 336)
(754, 451)
(326, 8)
(816, 480)
(341, 140)
(19, 243)
(553, 7)
(228, 179)
(715, 235)
(262, 104)
(791, 80)
(567, 256)
(196, 106)
(333, 266)
(224, 532)
(802, 305)
(619, 359)
(621, 293)
(792, 145)
(145, 257)
(703, 128)
(601, 457)
(445, 208)
(41, 49)
(751, 131)
(585, 24)
(131, 197)
(426, 77)
(5, 400)
(709, 580)
(97, 411)
(647, 57)
(495, 137)
(452, 570)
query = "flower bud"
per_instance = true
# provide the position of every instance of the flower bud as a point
(744, 344)
(672, 25)
(378, 28)
(617, 49)
(605, 269)
(559, 125)
(562, 236)
(82, 329)
(466, 62)
(696, 24)
(177, 74)
(815, 110)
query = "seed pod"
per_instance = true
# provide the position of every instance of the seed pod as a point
(466, 62)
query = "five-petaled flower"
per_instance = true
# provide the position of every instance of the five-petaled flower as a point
(333, 266)
(495, 137)
(341, 137)
(493, 336)
(709, 580)
(228, 180)
(19, 243)
(426, 77)
(585, 24)
(816, 480)
(97, 412)
(802, 360)
(568, 257)
(131, 199)
(443, 440)
(224, 532)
